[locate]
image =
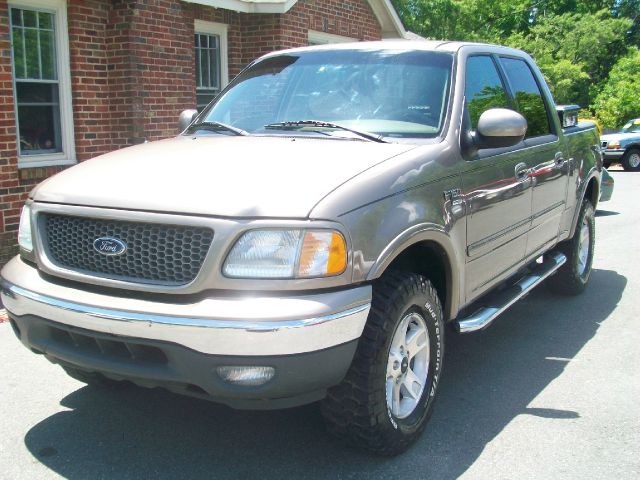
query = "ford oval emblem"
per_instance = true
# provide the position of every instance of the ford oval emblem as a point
(109, 246)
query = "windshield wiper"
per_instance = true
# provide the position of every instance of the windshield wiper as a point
(215, 126)
(318, 123)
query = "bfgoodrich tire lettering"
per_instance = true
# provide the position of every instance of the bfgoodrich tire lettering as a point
(573, 276)
(357, 409)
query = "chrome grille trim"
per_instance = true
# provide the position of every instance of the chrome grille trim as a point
(158, 253)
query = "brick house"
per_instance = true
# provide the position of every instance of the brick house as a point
(79, 78)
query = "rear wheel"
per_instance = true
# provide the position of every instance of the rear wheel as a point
(387, 397)
(573, 276)
(631, 160)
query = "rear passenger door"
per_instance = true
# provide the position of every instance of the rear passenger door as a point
(543, 153)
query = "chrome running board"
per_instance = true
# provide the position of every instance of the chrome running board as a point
(497, 304)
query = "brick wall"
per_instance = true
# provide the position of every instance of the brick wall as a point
(132, 73)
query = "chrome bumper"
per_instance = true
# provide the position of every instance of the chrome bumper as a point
(231, 325)
(612, 153)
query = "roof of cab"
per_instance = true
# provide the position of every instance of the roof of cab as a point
(426, 45)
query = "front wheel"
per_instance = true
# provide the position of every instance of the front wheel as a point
(631, 160)
(387, 397)
(573, 276)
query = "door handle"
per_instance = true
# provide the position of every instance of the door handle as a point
(522, 172)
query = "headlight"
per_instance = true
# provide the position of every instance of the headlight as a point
(287, 254)
(25, 240)
(614, 145)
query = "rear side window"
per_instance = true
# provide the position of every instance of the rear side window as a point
(528, 97)
(483, 88)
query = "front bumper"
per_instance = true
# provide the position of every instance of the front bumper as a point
(310, 339)
(613, 155)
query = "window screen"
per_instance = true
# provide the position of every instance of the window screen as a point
(37, 86)
(208, 77)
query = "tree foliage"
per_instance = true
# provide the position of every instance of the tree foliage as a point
(573, 62)
(576, 43)
(619, 99)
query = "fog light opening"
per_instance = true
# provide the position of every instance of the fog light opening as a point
(246, 376)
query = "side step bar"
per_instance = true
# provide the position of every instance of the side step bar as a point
(497, 304)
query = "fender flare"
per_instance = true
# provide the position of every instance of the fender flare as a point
(432, 233)
(594, 173)
(630, 146)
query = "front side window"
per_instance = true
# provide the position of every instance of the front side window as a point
(37, 86)
(389, 93)
(483, 88)
(528, 97)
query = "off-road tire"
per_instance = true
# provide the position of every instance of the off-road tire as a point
(356, 410)
(569, 280)
(631, 156)
(94, 379)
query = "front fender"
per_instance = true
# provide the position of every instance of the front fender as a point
(436, 236)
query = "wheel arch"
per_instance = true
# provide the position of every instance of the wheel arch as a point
(631, 146)
(591, 191)
(429, 252)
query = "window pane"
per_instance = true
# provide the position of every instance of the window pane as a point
(31, 48)
(39, 129)
(29, 18)
(198, 71)
(46, 20)
(483, 88)
(18, 53)
(38, 104)
(47, 54)
(207, 63)
(204, 97)
(36, 92)
(528, 96)
(214, 58)
(16, 17)
(206, 74)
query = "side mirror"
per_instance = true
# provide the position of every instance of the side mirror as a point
(186, 117)
(499, 128)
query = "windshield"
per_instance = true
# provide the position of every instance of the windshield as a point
(391, 93)
(631, 127)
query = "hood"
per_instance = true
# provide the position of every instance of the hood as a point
(610, 137)
(218, 175)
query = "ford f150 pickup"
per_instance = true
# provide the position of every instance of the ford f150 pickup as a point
(313, 232)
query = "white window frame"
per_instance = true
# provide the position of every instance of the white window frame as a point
(220, 29)
(68, 154)
(322, 38)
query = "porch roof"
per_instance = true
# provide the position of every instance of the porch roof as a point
(390, 22)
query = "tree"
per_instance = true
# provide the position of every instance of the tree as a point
(575, 51)
(619, 99)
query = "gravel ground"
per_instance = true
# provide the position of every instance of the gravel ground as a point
(550, 391)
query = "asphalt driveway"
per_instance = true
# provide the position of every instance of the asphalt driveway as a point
(549, 391)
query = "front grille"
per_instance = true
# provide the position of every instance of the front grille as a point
(155, 253)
